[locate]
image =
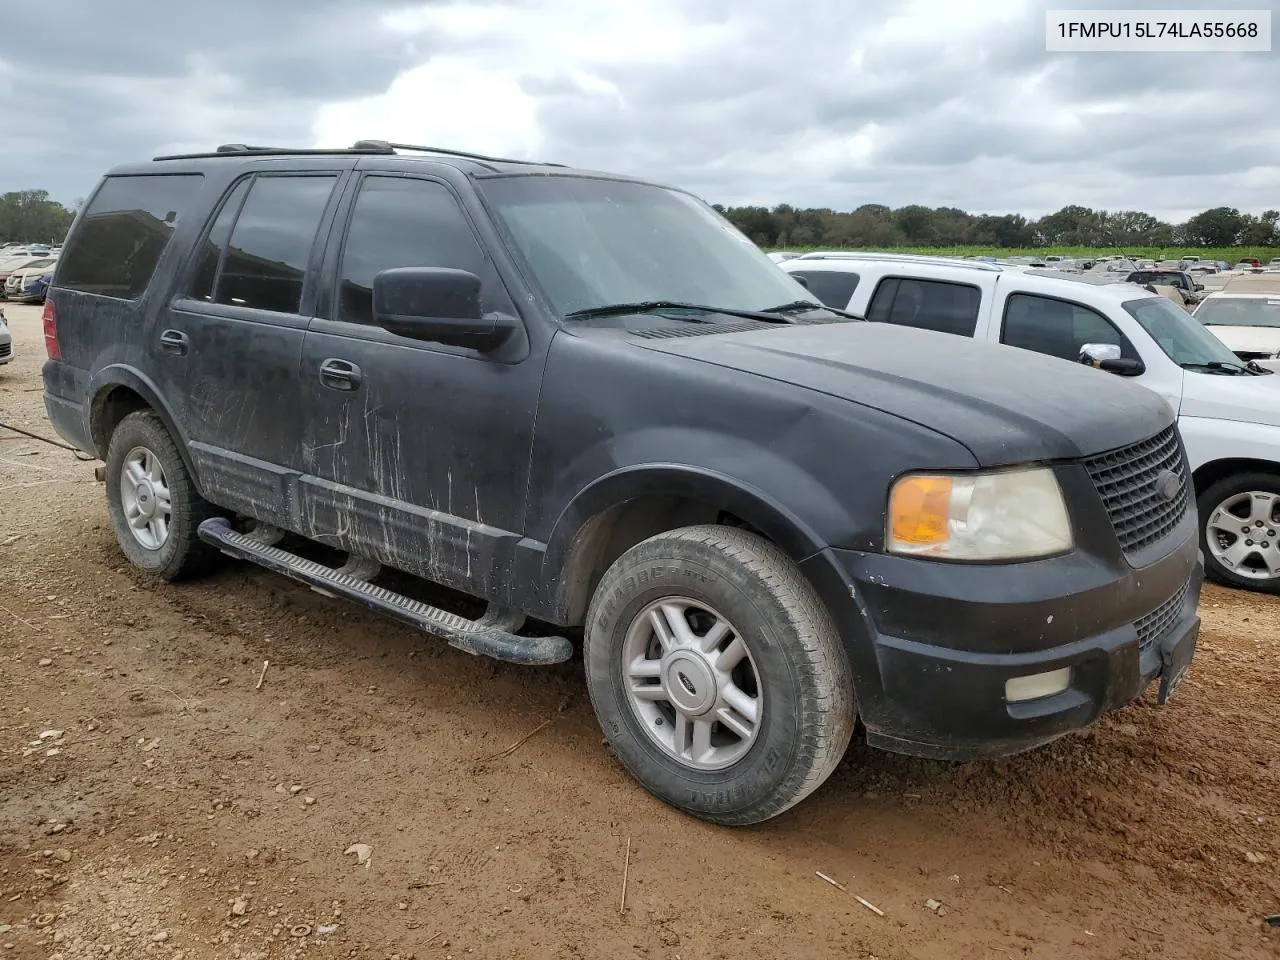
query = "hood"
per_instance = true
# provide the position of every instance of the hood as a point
(1248, 399)
(1006, 405)
(1249, 339)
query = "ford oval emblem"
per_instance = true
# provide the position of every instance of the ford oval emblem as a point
(1168, 485)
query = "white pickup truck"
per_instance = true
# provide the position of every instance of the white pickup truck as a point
(1228, 411)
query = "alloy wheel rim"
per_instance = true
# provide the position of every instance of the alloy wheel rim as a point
(692, 683)
(144, 496)
(1241, 533)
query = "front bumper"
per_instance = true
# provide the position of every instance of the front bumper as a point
(932, 645)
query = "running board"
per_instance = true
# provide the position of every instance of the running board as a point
(484, 637)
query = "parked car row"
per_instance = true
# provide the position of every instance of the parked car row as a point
(37, 249)
(25, 277)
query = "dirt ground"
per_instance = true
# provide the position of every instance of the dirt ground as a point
(155, 803)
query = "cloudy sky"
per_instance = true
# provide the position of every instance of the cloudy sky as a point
(815, 102)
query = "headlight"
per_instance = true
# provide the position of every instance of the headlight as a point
(1008, 515)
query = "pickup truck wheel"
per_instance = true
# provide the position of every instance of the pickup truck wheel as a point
(153, 503)
(717, 674)
(1240, 531)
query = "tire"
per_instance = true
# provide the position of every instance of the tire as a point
(1225, 510)
(141, 439)
(794, 675)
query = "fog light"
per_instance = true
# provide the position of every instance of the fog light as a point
(1037, 685)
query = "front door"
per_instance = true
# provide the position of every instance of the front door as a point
(231, 343)
(1061, 328)
(416, 454)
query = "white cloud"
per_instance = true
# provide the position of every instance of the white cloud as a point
(831, 103)
(446, 102)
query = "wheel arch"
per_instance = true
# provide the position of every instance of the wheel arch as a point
(1207, 474)
(630, 505)
(119, 391)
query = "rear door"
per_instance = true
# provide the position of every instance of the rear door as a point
(231, 341)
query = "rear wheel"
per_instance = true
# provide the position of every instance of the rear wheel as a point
(1240, 531)
(717, 675)
(153, 502)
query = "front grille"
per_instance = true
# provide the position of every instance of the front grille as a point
(1128, 480)
(1155, 625)
(6, 349)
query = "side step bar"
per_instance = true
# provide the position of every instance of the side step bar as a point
(485, 637)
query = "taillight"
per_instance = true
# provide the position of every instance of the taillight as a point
(50, 319)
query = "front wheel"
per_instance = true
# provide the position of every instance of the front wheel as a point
(717, 675)
(1240, 531)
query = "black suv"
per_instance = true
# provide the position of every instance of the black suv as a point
(592, 403)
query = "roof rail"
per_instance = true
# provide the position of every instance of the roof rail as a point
(359, 148)
(246, 150)
(902, 258)
(389, 147)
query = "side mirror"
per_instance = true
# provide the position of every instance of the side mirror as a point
(800, 280)
(1106, 356)
(437, 304)
(1199, 286)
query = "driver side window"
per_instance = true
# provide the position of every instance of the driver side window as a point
(1058, 328)
(403, 222)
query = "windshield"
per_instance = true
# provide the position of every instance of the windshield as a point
(592, 243)
(1260, 312)
(1182, 339)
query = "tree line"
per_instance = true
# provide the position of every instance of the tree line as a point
(29, 216)
(875, 225)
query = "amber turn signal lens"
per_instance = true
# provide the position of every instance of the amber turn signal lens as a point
(919, 509)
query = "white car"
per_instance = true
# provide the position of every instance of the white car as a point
(6, 341)
(1248, 323)
(1228, 412)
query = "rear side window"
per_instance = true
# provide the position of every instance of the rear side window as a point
(832, 288)
(926, 304)
(1058, 328)
(117, 245)
(266, 260)
(401, 222)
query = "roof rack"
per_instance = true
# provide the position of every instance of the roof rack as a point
(246, 150)
(901, 258)
(385, 146)
(359, 148)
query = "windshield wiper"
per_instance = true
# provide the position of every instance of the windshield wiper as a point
(796, 306)
(1219, 366)
(654, 306)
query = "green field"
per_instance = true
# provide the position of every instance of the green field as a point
(1230, 254)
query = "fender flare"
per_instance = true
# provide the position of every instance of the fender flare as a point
(744, 501)
(120, 375)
